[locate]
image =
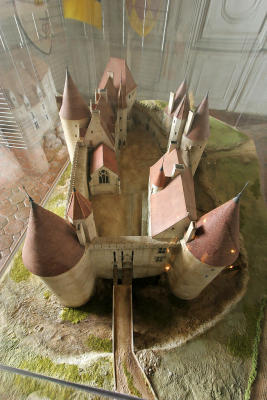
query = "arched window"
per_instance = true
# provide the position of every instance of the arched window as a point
(103, 176)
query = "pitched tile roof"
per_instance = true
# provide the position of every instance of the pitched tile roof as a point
(51, 246)
(79, 206)
(162, 170)
(200, 128)
(103, 156)
(217, 236)
(73, 106)
(107, 118)
(121, 72)
(173, 203)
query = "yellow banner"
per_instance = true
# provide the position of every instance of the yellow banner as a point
(88, 11)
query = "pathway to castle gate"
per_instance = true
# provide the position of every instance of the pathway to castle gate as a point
(129, 376)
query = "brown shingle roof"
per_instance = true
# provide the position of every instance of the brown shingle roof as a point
(103, 156)
(73, 105)
(51, 246)
(121, 72)
(79, 206)
(200, 128)
(217, 236)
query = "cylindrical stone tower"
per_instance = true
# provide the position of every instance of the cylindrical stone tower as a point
(52, 251)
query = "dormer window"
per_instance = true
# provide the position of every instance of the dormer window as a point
(103, 176)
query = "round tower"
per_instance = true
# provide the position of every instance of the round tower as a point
(215, 245)
(74, 114)
(196, 134)
(52, 251)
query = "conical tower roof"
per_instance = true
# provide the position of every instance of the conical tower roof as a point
(79, 206)
(183, 108)
(51, 246)
(200, 128)
(217, 236)
(73, 105)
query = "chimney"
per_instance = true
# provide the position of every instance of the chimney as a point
(177, 169)
(190, 233)
(171, 100)
(189, 122)
(91, 106)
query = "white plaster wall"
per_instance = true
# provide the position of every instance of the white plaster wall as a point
(71, 133)
(74, 287)
(100, 188)
(192, 152)
(130, 99)
(189, 276)
(175, 231)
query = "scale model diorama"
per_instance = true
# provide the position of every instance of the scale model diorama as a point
(92, 242)
(68, 254)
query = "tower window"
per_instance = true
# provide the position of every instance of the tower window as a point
(159, 259)
(162, 250)
(103, 176)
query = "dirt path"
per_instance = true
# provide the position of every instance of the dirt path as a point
(259, 390)
(129, 377)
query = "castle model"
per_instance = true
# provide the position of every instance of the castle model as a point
(69, 254)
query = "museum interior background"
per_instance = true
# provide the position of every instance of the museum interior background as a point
(219, 46)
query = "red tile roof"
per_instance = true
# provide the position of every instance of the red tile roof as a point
(173, 203)
(103, 156)
(200, 128)
(51, 246)
(156, 174)
(73, 105)
(217, 236)
(121, 72)
(167, 161)
(79, 206)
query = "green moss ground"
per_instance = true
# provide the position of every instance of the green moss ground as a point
(65, 176)
(18, 272)
(223, 136)
(99, 374)
(98, 344)
(241, 344)
(130, 382)
(98, 305)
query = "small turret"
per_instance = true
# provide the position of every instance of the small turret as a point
(74, 114)
(52, 251)
(178, 122)
(175, 99)
(80, 214)
(213, 245)
(196, 134)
